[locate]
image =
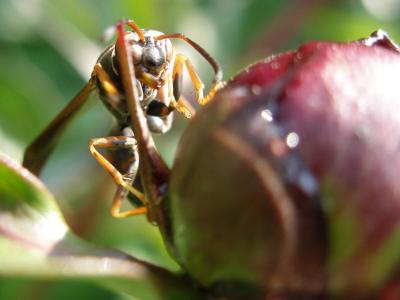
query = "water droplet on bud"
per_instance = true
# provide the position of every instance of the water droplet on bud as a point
(266, 114)
(292, 140)
(256, 89)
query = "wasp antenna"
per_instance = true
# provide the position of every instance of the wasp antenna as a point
(136, 28)
(214, 64)
(110, 31)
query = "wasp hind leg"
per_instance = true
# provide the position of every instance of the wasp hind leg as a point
(123, 181)
(115, 209)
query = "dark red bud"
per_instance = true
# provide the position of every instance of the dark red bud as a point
(287, 183)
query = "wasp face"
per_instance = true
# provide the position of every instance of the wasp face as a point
(154, 59)
(151, 58)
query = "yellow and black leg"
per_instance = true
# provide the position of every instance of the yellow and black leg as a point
(178, 101)
(177, 75)
(115, 210)
(123, 181)
(113, 96)
(180, 61)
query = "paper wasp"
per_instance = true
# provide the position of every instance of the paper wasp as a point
(159, 73)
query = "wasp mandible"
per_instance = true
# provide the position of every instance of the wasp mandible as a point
(159, 74)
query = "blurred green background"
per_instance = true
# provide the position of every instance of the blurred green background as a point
(47, 50)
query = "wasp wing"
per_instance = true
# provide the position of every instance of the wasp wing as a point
(37, 153)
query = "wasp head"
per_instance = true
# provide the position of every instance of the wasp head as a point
(150, 57)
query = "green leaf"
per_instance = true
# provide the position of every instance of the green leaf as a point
(35, 242)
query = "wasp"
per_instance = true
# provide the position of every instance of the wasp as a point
(159, 74)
